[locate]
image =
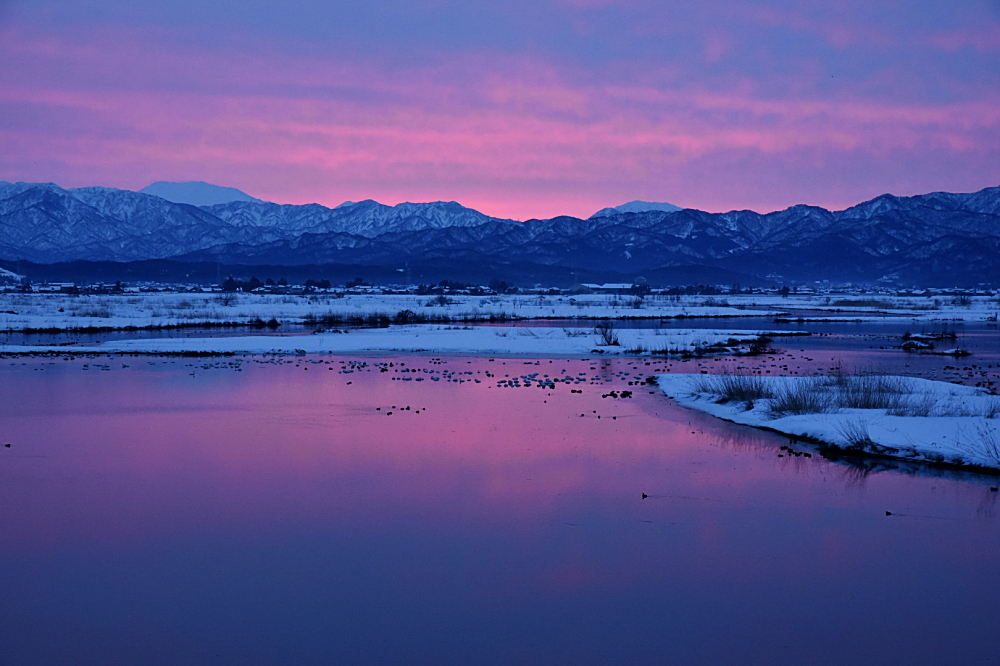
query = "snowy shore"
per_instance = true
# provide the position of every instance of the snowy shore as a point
(917, 420)
(429, 338)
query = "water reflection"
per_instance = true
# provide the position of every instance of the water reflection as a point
(797, 455)
(274, 513)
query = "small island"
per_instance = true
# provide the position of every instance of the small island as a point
(906, 418)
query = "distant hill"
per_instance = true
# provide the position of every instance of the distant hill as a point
(196, 193)
(636, 207)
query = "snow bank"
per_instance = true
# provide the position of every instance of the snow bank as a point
(960, 426)
(430, 338)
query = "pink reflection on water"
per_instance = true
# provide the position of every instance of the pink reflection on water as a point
(122, 459)
(229, 446)
(150, 508)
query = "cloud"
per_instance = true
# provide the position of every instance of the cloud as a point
(716, 119)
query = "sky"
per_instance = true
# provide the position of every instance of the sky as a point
(520, 109)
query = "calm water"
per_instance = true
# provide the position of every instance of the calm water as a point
(249, 512)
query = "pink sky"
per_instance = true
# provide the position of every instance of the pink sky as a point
(525, 110)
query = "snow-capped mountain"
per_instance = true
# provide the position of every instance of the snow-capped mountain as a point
(365, 218)
(948, 237)
(196, 193)
(45, 223)
(636, 207)
(939, 236)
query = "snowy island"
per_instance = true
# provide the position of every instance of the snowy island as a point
(904, 418)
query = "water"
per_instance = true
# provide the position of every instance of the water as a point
(254, 511)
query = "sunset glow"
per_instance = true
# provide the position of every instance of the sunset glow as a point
(525, 110)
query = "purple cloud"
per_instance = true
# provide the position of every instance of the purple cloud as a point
(521, 109)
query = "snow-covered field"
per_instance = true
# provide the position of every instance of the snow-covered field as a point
(902, 417)
(20, 312)
(436, 323)
(147, 310)
(444, 339)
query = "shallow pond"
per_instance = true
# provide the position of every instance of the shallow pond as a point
(273, 511)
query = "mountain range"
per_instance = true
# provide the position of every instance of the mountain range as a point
(939, 238)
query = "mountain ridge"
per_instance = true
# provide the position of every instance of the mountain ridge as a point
(912, 238)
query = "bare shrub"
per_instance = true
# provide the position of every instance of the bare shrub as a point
(405, 317)
(838, 375)
(669, 350)
(761, 345)
(985, 444)
(607, 334)
(873, 392)
(989, 442)
(99, 311)
(955, 407)
(803, 398)
(575, 333)
(439, 300)
(739, 387)
(855, 433)
(866, 303)
(992, 409)
(914, 405)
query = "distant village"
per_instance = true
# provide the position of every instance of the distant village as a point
(13, 283)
